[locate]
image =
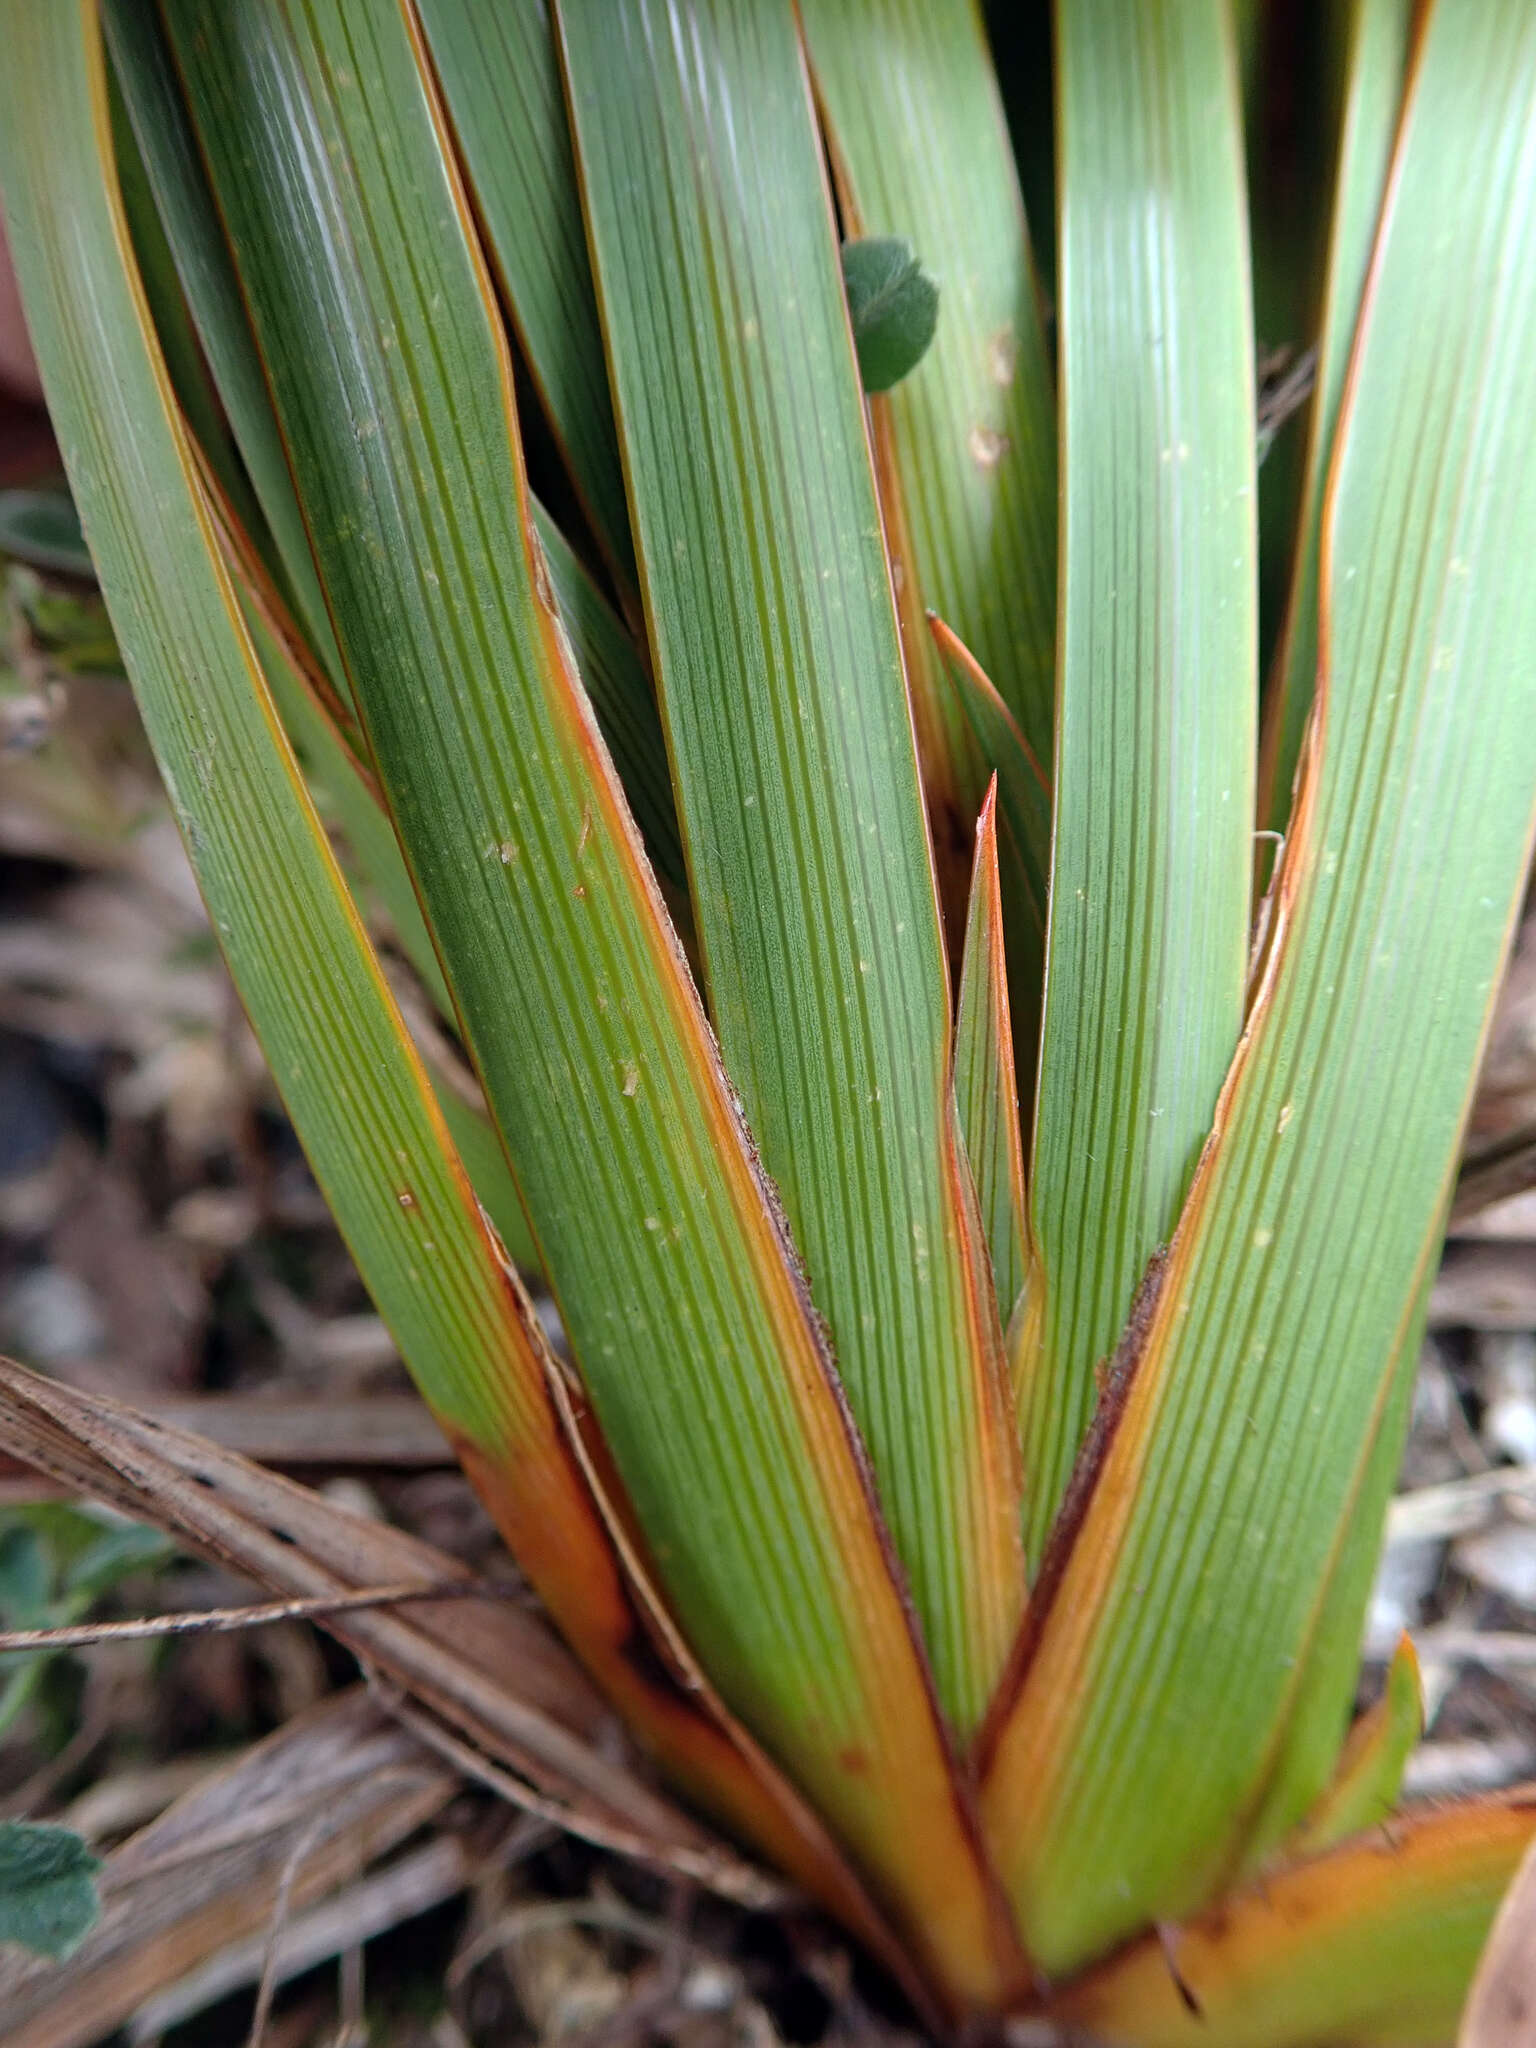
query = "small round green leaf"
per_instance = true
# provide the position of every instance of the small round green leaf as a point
(48, 1901)
(894, 306)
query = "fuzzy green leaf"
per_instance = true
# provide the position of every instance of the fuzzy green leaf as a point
(48, 1901)
(893, 305)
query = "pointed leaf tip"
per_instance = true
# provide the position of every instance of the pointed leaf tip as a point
(986, 1097)
(1370, 1770)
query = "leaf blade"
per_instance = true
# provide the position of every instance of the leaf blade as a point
(294, 942)
(685, 1313)
(966, 448)
(1268, 1359)
(1372, 1944)
(779, 672)
(1379, 33)
(1369, 1777)
(501, 81)
(1024, 828)
(1146, 952)
(168, 152)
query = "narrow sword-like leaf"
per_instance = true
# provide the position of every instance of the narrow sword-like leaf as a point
(621, 696)
(1172, 1654)
(1307, 1753)
(1373, 1944)
(779, 671)
(391, 378)
(174, 329)
(1378, 38)
(617, 684)
(1156, 649)
(356, 1090)
(985, 1093)
(1024, 826)
(501, 82)
(143, 67)
(346, 795)
(966, 446)
(1369, 1777)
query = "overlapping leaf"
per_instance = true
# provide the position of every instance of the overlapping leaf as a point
(1155, 735)
(1023, 841)
(1373, 1944)
(1377, 52)
(1123, 1782)
(390, 378)
(1369, 1777)
(143, 69)
(619, 689)
(293, 939)
(779, 672)
(966, 447)
(501, 84)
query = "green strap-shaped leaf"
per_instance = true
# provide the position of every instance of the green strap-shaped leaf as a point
(985, 1094)
(391, 380)
(1369, 1778)
(1374, 1945)
(966, 446)
(143, 68)
(345, 792)
(620, 691)
(1154, 749)
(1124, 1776)
(501, 81)
(1309, 1743)
(354, 1086)
(780, 677)
(297, 952)
(621, 696)
(347, 796)
(184, 360)
(1378, 38)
